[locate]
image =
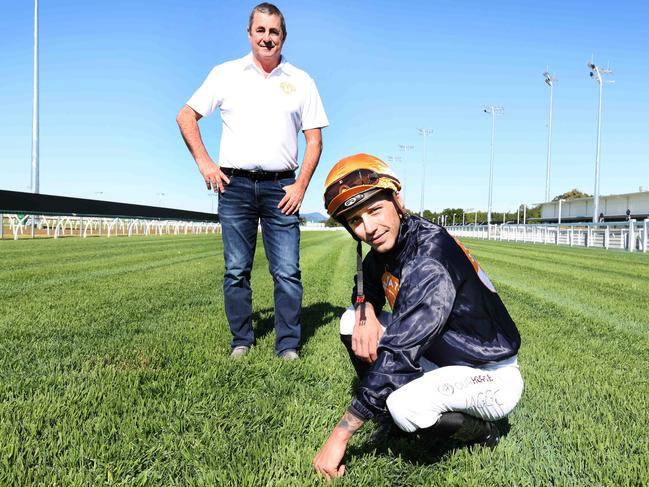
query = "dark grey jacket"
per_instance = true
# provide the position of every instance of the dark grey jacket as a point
(443, 308)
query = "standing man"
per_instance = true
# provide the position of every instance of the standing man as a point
(264, 103)
(443, 363)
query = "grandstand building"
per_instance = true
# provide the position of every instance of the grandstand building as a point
(615, 207)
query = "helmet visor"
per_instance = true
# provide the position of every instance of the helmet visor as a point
(360, 178)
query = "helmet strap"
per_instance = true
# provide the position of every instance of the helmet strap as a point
(360, 296)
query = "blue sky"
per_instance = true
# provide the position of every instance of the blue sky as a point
(114, 74)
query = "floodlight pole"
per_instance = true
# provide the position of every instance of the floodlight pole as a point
(549, 80)
(405, 148)
(491, 109)
(425, 133)
(35, 151)
(596, 73)
(524, 214)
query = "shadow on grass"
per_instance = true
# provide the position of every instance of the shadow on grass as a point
(415, 449)
(313, 316)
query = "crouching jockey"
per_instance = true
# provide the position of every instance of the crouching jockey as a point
(443, 363)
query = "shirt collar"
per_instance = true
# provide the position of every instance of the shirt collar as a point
(284, 67)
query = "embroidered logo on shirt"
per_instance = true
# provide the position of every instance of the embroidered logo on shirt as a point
(391, 287)
(287, 87)
(478, 270)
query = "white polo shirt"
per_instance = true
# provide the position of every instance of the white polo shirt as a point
(261, 115)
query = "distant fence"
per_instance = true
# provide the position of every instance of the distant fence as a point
(37, 215)
(631, 236)
(68, 225)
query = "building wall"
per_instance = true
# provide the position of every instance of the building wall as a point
(613, 206)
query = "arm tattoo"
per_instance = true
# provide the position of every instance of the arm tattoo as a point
(350, 422)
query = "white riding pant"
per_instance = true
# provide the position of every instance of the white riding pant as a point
(489, 392)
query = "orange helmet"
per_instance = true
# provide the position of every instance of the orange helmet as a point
(354, 179)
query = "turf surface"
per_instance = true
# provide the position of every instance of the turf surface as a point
(114, 370)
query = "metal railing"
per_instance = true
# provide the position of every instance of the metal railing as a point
(38, 215)
(632, 236)
(25, 226)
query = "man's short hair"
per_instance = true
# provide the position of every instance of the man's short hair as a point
(268, 9)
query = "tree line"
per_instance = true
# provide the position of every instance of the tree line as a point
(457, 216)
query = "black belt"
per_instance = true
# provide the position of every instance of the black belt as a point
(258, 175)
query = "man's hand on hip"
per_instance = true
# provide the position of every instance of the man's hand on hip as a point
(213, 176)
(292, 200)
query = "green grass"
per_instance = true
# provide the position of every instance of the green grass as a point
(114, 370)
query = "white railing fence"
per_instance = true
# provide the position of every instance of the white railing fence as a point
(631, 236)
(55, 226)
(68, 226)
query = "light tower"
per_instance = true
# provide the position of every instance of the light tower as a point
(597, 74)
(549, 80)
(425, 133)
(35, 157)
(405, 148)
(491, 109)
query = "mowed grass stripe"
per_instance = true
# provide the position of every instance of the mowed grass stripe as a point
(18, 254)
(125, 379)
(616, 302)
(582, 391)
(587, 277)
(143, 356)
(625, 264)
(613, 306)
(585, 340)
(20, 274)
(114, 271)
(92, 315)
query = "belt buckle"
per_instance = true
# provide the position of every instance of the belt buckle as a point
(256, 174)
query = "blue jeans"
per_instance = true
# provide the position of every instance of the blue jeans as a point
(243, 204)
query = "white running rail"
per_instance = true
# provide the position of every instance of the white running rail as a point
(631, 236)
